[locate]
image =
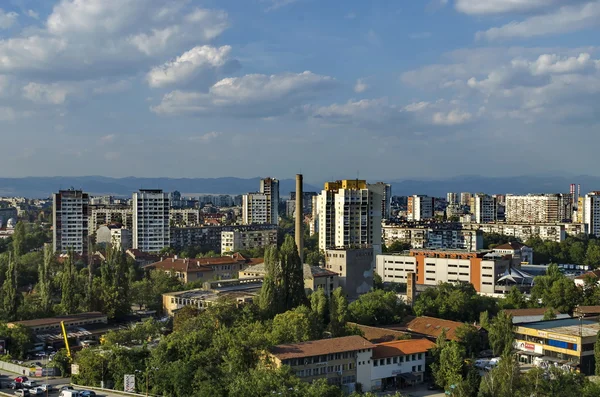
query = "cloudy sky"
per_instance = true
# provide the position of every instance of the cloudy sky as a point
(388, 89)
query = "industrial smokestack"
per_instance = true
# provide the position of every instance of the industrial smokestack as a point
(299, 217)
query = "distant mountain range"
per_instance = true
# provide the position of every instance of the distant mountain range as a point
(44, 186)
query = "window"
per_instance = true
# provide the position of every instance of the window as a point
(414, 357)
(375, 364)
(419, 367)
(395, 360)
(381, 362)
(414, 369)
(315, 371)
(388, 361)
(401, 359)
(420, 356)
(300, 373)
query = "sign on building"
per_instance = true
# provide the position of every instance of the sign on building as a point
(129, 383)
(74, 369)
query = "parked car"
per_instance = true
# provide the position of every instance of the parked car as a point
(15, 385)
(22, 393)
(87, 393)
(36, 391)
(30, 383)
(67, 387)
(46, 387)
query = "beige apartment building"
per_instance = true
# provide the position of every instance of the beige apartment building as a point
(354, 267)
(539, 208)
(244, 239)
(315, 277)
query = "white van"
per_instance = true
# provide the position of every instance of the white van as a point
(69, 393)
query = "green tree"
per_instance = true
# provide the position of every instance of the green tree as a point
(502, 381)
(20, 339)
(377, 281)
(292, 274)
(293, 326)
(449, 370)
(469, 339)
(319, 304)
(515, 299)
(500, 334)
(378, 308)
(61, 361)
(44, 283)
(142, 293)
(597, 354)
(12, 299)
(592, 255)
(338, 309)
(115, 293)
(19, 239)
(269, 298)
(549, 314)
(314, 258)
(68, 302)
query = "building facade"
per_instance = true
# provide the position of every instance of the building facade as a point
(108, 214)
(182, 217)
(70, 211)
(591, 213)
(484, 208)
(255, 209)
(433, 267)
(354, 267)
(386, 201)
(151, 226)
(315, 277)
(270, 188)
(420, 208)
(433, 236)
(237, 240)
(539, 208)
(118, 236)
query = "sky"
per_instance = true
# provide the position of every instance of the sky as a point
(379, 89)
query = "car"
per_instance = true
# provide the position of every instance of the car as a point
(36, 391)
(30, 383)
(22, 393)
(46, 387)
(67, 387)
(87, 393)
(15, 385)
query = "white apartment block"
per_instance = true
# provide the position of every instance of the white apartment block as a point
(118, 237)
(420, 207)
(236, 240)
(523, 231)
(108, 214)
(434, 237)
(481, 269)
(591, 213)
(452, 198)
(484, 208)
(255, 209)
(270, 188)
(350, 215)
(151, 226)
(539, 208)
(70, 221)
(184, 217)
(465, 198)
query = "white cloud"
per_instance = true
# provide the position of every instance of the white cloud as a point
(188, 65)
(32, 14)
(53, 94)
(453, 117)
(477, 7)
(275, 4)
(205, 138)
(107, 139)
(416, 106)
(250, 95)
(94, 39)
(360, 86)
(565, 19)
(7, 19)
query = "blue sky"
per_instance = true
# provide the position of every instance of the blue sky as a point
(389, 89)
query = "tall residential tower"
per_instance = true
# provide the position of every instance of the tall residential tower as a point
(70, 211)
(151, 228)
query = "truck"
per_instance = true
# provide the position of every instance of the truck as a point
(69, 393)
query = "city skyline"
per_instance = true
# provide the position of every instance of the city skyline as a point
(229, 88)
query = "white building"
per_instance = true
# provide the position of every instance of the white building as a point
(184, 217)
(465, 198)
(386, 200)
(484, 208)
(118, 236)
(451, 198)
(151, 227)
(255, 209)
(270, 188)
(236, 240)
(350, 215)
(516, 250)
(591, 213)
(433, 237)
(524, 231)
(70, 221)
(539, 208)
(420, 207)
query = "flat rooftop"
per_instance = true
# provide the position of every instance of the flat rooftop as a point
(567, 326)
(53, 321)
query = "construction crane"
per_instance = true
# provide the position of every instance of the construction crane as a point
(64, 331)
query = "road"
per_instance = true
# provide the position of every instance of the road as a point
(7, 377)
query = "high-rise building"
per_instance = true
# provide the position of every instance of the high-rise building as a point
(270, 188)
(350, 215)
(255, 209)
(386, 200)
(151, 228)
(70, 211)
(591, 212)
(539, 208)
(452, 198)
(484, 208)
(420, 207)
(465, 198)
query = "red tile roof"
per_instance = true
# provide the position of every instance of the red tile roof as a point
(402, 348)
(433, 327)
(593, 274)
(320, 347)
(380, 335)
(513, 245)
(200, 265)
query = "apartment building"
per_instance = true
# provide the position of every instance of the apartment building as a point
(151, 226)
(70, 211)
(255, 209)
(114, 234)
(210, 237)
(315, 277)
(433, 236)
(237, 240)
(523, 231)
(591, 213)
(465, 198)
(270, 188)
(481, 268)
(349, 214)
(354, 267)
(516, 250)
(182, 217)
(107, 214)
(452, 198)
(341, 361)
(539, 208)
(484, 208)
(386, 200)
(566, 342)
(420, 207)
